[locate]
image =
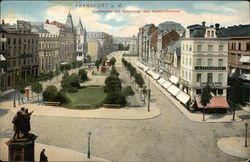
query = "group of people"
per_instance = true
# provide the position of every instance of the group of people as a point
(21, 122)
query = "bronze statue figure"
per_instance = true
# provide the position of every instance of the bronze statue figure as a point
(21, 123)
(43, 157)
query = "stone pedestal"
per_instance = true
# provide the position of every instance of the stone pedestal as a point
(22, 149)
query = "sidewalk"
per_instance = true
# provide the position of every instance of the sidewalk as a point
(234, 146)
(52, 152)
(101, 113)
(197, 116)
(246, 108)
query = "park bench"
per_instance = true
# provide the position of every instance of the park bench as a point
(111, 105)
(48, 103)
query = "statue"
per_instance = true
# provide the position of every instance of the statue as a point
(21, 123)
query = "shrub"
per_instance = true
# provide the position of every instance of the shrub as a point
(50, 93)
(128, 91)
(112, 84)
(83, 75)
(72, 89)
(61, 97)
(115, 98)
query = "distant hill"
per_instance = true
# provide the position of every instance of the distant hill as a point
(171, 25)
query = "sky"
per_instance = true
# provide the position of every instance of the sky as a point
(123, 18)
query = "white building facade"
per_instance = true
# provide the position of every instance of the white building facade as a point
(204, 61)
(81, 42)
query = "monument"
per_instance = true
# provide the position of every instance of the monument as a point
(21, 145)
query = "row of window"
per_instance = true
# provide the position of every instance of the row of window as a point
(209, 62)
(26, 50)
(186, 75)
(48, 45)
(21, 62)
(209, 77)
(20, 41)
(214, 91)
(210, 48)
(232, 46)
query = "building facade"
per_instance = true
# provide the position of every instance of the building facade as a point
(133, 45)
(81, 42)
(3, 34)
(21, 53)
(203, 61)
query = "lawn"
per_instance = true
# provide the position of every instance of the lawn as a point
(86, 98)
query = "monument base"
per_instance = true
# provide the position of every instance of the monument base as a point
(22, 149)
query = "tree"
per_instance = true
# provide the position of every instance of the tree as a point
(120, 47)
(71, 83)
(144, 92)
(114, 72)
(62, 98)
(50, 75)
(97, 64)
(83, 75)
(65, 75)
(234, 95)
(112, 84)
(20, 84)
(128, 91)
(112, 61)
(139, 80)
(37, 88)
(115, 98)
(87, 59)
(205, 98)
(57, 73)
(50, 93)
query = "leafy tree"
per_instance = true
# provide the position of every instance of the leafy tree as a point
(112, 61)
(234, 95)
(83, 75)
(128, 91)
(139, 80)
(57, 73)
(20, 84)
(87, 59)
(65, 75)
(115, 98)
(71, 83)
(50, 93)
(50, 75)
(97, 63)
(114, 72)
(205, 98)
(37, 88)
(144, 92)
(112, 84)
(62, 98)
(120, 47)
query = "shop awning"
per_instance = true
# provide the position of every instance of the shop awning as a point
(166, 84)
(245, 59)
(156, 76)
(161, 81)
(183, 97)
(174, 90)
(215, 103)
(174, 79)
(245, 76)
(2, 58)
(150, 72)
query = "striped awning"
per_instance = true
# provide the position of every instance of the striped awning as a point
(174, 79)
(174, 90)
(166, 84)
(215, 103)
(183, 97)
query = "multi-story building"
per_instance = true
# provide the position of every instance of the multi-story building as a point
(3, 34)
(48, 51)
(81, 41)
(103, 43)
(238, 56)
(21, 52)
(203, 61)
(133, 45)
(123, 40)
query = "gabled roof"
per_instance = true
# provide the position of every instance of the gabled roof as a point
(233, 31)
(81, 27)
(69, 23)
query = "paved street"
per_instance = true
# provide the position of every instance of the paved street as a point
(168, 137)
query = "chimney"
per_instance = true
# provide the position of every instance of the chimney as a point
(203, 23)
(217, 26)
(47, 21)
(3, 23)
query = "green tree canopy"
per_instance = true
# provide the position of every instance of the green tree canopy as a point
(128, 91)
(112, 61)
(83, 75)
(50, 93)
(115, 98)
(37, 87)
(112, 84)
(139, 80)
(114, 72)
(205, 96)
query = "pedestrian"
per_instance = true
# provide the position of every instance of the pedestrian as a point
(43, 157)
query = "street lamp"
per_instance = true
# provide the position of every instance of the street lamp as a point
(148, 94)
(89, 135)
(246, 135)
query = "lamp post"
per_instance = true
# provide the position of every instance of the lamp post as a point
(246, 135)
(89, 135)
(148, 94)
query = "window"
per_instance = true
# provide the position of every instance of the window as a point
(186, 47)
(9, 41)
(198, 91)
(220, 48)
(210, 62)
(14, 41)
(220, 63)
(210, 48)
(198, 77)
(198, 62)
(190, 61)
(220, 77)
(186, 61)
(189, 76)
(3, 47)
(248, 46)
(208, 33)
(220, 91)
(199, 48)
(186, 74)
(212, 33)
(182, 73)
(20, 41)
(210, 77)
(239, 47)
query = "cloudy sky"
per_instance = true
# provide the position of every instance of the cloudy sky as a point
(95, 18)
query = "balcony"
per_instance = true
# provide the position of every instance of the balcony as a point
(210, 68)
